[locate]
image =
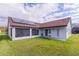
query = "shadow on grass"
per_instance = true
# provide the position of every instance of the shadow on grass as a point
(4, 37)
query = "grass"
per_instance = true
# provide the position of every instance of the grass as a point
(2, 33)
(39, 47)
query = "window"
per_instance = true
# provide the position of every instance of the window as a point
(21, 32)
(49, 31)
(46, 32)
(35, 32)
(11, 31)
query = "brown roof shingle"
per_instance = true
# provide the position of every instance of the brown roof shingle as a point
(56, 23)
(14, 24)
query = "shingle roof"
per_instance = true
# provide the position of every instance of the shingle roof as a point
(56, 23)
(21, 23)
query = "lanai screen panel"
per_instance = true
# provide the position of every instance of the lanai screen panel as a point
(22, 32)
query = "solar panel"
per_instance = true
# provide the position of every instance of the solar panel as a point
(23, 21)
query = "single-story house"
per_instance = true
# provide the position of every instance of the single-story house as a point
(20, 29)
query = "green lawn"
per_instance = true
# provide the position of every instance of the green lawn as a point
(2, 33)
(39, 46)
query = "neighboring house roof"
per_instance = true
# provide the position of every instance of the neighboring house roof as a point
(25, 23)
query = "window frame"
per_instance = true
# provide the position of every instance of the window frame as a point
(35, 31)
(22, 31)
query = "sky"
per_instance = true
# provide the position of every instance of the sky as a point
(39, 12)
